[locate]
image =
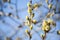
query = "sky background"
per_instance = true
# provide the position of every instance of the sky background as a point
(10, 27)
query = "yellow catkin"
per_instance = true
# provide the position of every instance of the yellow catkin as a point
(28, 23)
(26, 31)
(42, 35)
(58, 32)
(31, 27)
(32, 15)
(50, 21)
(29, 10)
(48, 15)
(50, 6)
(35, 6)
(27, 17)
(44, 23)
(34, 21)
(43, 28)
(46, 1)
(29, 5)
(47, 28)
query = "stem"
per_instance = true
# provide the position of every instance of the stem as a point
(44, 37)
(17, 10)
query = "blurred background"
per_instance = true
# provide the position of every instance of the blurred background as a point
(12, 18)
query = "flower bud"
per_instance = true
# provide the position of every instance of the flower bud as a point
(48, 15)
(32, 15)
(34, 21)
(26, 31)
(50, 21)
(27, 17)
(29, 10)
(31, 27)
(35, 6)
(47, 28)
(50, 6)
(53, 23)
(43, 36)
(29, 4)
(58, 32)
(44, 23)
(28, 23)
